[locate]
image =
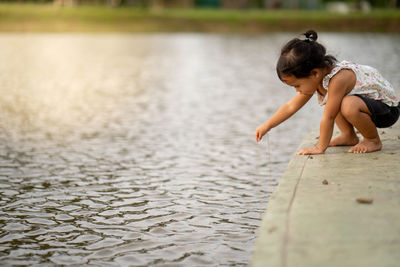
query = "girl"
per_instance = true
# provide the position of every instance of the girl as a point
(358, 96)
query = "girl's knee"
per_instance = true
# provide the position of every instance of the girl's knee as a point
(350, 105)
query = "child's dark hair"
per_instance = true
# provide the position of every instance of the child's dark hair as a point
(300, 57)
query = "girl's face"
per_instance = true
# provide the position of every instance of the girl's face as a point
(306, 86)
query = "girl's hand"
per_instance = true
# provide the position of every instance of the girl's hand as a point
(311, 151)
(260, 132)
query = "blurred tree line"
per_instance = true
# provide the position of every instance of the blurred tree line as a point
(224, 4)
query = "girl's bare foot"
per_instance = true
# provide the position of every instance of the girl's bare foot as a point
(367, 145)
(344, 140)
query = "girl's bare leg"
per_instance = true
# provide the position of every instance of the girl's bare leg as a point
(348, 136)
(356, 112)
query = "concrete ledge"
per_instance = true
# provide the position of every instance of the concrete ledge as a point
(309, 223)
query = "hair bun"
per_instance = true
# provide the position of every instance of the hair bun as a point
(311, 35)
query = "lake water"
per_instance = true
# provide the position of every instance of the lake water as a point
(138, 150)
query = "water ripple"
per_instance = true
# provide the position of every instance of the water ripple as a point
(137, 150)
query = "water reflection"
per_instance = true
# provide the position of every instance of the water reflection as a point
(138, 149)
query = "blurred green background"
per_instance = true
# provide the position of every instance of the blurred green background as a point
(220, 4)
(245, 16)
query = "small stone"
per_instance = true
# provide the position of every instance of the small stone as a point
(364, 200)
(325, 182)
(46, 184)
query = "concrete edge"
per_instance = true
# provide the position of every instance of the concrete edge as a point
(272, 238)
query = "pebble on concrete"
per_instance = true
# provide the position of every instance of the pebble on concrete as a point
(364, 200)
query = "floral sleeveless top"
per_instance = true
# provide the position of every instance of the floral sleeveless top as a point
(370, 83)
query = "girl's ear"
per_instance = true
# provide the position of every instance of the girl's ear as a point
(316, 73)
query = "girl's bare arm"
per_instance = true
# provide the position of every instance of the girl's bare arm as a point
(282, 114)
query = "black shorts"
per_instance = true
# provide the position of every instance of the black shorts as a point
(382, 115)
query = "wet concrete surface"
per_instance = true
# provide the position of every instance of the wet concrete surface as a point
(138, 149)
